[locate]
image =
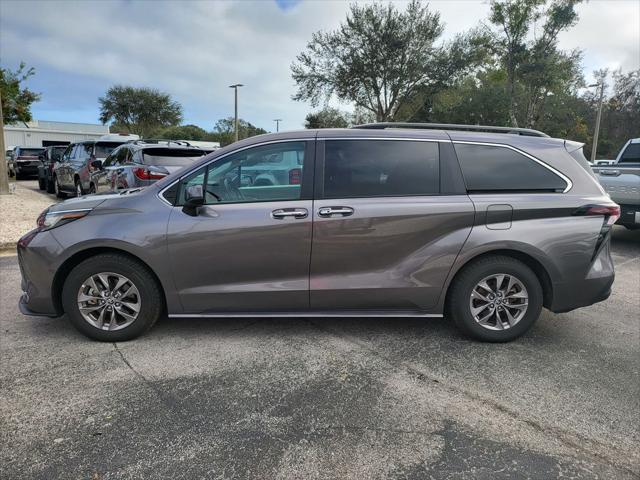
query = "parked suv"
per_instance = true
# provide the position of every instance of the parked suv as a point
(26, 161)
(486, 227)
(143, 162)
(72, 174)
(48, 159)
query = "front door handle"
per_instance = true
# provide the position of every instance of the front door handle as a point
(329, 211)
(290, 212)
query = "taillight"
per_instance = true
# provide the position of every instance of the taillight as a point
(295, 176)
(611, 213)
(146, 174)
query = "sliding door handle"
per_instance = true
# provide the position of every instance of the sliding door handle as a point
(282, 213)
(329, 211)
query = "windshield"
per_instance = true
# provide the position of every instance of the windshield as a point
(103, 149)
(56, 153)
(167, 157)
(31, 152)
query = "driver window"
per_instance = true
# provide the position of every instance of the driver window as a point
(260, 174)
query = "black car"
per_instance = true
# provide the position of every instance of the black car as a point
(26, 161)
(48, 159)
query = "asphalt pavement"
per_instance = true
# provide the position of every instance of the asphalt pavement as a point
(325, 398)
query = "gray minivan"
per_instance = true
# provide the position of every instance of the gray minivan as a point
(481, 224)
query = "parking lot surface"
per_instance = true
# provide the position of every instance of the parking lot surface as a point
(326, 398)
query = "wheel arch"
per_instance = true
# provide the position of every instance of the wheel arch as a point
(70, 263)
(533, 263)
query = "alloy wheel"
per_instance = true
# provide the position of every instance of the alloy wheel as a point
(109, 301)
(498, 301)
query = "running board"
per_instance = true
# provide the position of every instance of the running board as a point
(333, 313)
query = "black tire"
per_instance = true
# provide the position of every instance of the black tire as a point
(19, 176)
(151, 299)
(459, 297)
(56, 189)
(41, 184)
(48, 185)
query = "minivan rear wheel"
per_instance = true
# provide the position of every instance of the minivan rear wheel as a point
(495, 299)
(112, 298)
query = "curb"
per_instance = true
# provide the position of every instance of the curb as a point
(8, 247)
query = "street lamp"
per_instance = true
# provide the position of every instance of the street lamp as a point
(235, 88)
(277, 120)
(598, 117)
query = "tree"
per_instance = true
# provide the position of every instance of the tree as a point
(16, 99)
(377, 59)
(182, 132)
(139, 110)
(534, 67)
(327, 118)
(224, 129)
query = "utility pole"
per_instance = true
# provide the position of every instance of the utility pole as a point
(598, 117)
(235, 88)
(277, 120)
(4, 175)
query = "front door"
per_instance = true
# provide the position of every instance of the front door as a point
(384, 237)
(248, 248)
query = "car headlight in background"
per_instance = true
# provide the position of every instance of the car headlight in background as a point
(48, 220)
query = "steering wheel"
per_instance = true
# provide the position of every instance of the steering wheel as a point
(232, 190)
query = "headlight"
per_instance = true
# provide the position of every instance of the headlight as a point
(48, 220)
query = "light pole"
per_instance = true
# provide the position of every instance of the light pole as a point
(235, 88)
(277, 120)
(598, 117)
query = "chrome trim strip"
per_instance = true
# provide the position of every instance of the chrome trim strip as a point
(409, 139)
(522, 152)
(304, 314)
(60, 212)
(159, 194)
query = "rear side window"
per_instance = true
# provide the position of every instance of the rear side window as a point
(490, 169)
(631, 154)
(380, 168)
(167, 157)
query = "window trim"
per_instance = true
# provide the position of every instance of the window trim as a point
(320, 163)
(566, 179)
(306, 189)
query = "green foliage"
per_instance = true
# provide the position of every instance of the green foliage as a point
(139, 110)
(327, 118)
(16, 99)
(183, 132)
(379, 58)
(223, 131)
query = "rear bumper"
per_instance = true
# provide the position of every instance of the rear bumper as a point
(629, 215)
(593, 288)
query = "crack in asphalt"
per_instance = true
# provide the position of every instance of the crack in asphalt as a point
(572, 440)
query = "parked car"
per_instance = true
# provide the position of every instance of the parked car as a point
(26, 161)
(486, 227)
(72, 174)
(621, 179)
(48, 159)
(143, 162)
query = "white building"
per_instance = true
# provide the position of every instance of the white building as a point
(40, 133)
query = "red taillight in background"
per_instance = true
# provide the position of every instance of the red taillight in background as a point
(295, 176)
(146, 174)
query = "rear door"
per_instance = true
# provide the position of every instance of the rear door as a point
(249, 247)
(386, 228)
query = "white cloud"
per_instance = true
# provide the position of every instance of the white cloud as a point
(194, 50)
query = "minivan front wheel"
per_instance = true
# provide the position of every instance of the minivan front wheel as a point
(112, 298)
(495, 299)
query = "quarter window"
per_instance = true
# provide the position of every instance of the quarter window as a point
(492, 168)
(260, 174)
(631, 153)
(380, 168)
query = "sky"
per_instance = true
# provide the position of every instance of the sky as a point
(194, 50)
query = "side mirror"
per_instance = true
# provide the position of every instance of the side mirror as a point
(96, 165)
(194, 198)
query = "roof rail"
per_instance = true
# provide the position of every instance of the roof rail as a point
(452, 126)
(158, 141)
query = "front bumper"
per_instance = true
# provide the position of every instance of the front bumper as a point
(27, 168)
(37, 259)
